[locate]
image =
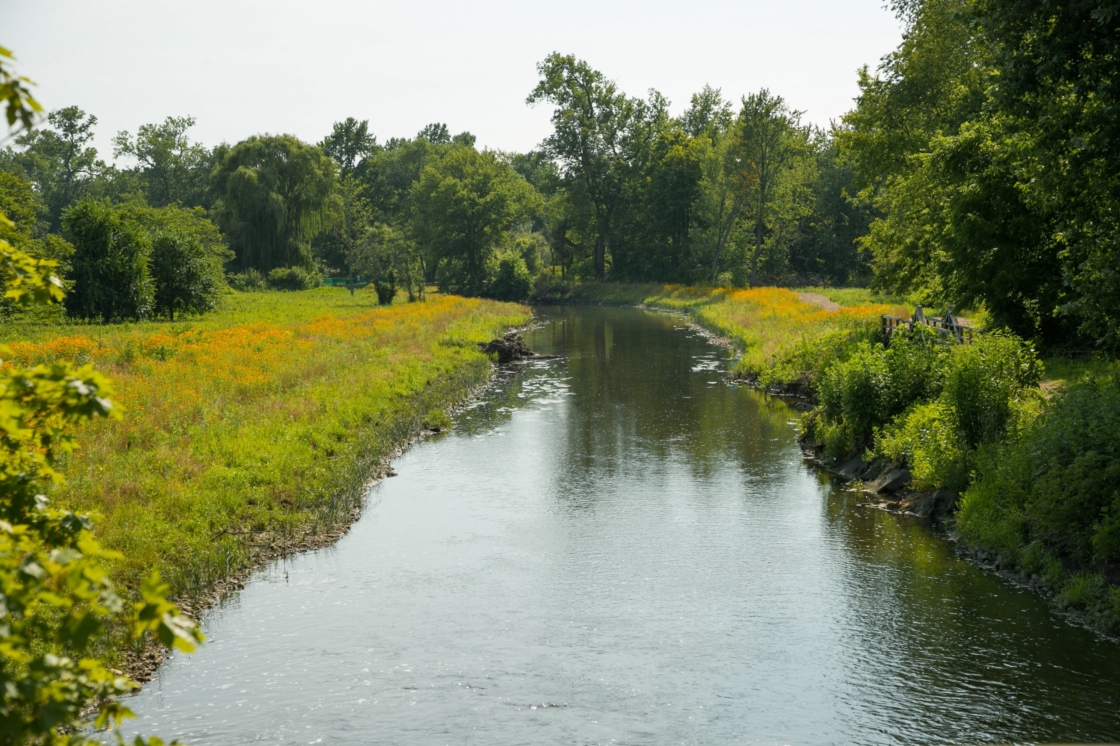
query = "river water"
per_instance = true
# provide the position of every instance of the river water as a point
(617, 547)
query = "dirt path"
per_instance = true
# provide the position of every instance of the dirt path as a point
(819, 300)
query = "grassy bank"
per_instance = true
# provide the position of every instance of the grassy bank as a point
(785, 341)
(255, 428)
(1023, 452)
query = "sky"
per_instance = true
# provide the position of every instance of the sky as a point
(243, 67)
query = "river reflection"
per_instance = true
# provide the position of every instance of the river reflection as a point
(617, 547)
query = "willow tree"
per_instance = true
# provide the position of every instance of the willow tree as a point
(274, 195)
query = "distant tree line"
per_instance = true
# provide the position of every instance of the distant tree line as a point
(977, 168)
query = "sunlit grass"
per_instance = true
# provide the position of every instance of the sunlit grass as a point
(263, 419)
(784, 339)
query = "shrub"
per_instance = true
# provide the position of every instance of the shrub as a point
(509, 279)
(109, 267)
(248, 281)
(927, 439)
(852, 394)
(187, 277)
(386, 289)
(294, 278)
(984, 379)
(1054, 483)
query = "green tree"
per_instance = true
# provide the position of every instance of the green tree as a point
(590, 122)
(59, 161)
(110, 264)
(172, 168)
(1057, 96)
(274, 196)
(349, 143)
(769, 143)
(465, 204)
(187, 259)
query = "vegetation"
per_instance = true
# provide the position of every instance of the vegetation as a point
(243, 431)
(57, 604)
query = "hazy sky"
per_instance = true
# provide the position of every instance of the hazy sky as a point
(242, 67)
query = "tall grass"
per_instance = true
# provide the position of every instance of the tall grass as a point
(258, 424)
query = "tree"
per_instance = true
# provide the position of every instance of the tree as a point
(1057, 96)
(590, 124)
(110, 264)
(59, 161)
(769, 140)
(435, 133)
(349, 143)
(464, 205)
(58, 603)
(187, 259)
(173, 169)
(274, 197)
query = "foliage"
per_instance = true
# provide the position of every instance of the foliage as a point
(465, 203)
(510, 279)
(386, 288)
(171, 167)
(56, 600)
(247, 281)
(274, 195)
(110, 264)
(1047, 498)
(349, 143)
(293, 278)
(19, 105)
(243, 427)
(59, 161)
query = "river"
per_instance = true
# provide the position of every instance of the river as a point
(617, 547)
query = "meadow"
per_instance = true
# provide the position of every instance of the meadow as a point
(255, 429)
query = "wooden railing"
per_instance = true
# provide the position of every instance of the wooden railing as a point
(947, 326)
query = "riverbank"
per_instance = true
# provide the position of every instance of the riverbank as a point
(253, 432)
(1018, 467)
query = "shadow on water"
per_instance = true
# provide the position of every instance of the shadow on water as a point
(616, 547)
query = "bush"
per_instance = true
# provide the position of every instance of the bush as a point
(248, 281)
(852, 394)
(984, 379)
(294, 278)
(510, 280)
(1054, 485)
(927, 439)
(386, 289)
(549, 284)
(187, 277)
(109, 267)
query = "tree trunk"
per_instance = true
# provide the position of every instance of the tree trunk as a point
(757, 251)
(601, 256)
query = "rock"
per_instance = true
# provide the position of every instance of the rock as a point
(851, 468)
(935, 505)
(509, 348)
(890, 481)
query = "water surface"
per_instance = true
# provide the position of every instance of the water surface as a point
(617, 547)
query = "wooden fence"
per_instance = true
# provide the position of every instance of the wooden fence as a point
(947, 326)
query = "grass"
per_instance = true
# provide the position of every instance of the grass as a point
(257, 424)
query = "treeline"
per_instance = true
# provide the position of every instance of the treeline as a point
(977, 169)
(622, 190)
(987, 145)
